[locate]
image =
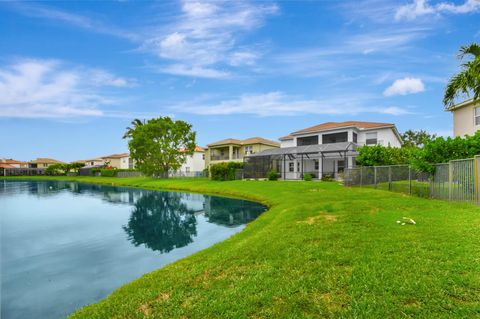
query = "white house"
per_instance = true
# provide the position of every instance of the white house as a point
(325, 149)
(194, 164)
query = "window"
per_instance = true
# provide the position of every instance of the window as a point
(222, 153)
(355, 138)
(316, 165)
(309, 140)
(203, 156)
(477, 116)
(45, 165)
(187, 169)
(335, 138)
(291, 166)
(371, 138)
(298, 166)
(248, 149)
(340, 166)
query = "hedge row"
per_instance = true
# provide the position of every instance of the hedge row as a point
(224, 171)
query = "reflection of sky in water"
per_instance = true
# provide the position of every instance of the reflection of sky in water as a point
(63, 244)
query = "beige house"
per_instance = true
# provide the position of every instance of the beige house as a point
(234, 150)
(466, 117)
(120, 161)
(43, 162)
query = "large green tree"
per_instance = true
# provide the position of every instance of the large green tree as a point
(161, 145)
(467, 81)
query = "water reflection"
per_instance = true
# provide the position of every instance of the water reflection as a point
(64, 244)
(162, 222)
(222, 211)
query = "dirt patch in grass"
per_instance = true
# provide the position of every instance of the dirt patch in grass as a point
(315, 219)
(146, 308)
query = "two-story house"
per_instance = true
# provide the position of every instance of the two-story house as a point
(466, 117)
(43, 162)
(322, 150)
(234, 150)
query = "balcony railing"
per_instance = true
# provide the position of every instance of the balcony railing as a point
(219, 157)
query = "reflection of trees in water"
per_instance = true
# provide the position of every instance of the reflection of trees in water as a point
(231, 212)
(161, 222)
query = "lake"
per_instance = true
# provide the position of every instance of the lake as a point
(64, 245)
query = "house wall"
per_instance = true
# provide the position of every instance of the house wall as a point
(287, 143)
(194, 163)
(385, 137)
(464, 121)
(114, 162)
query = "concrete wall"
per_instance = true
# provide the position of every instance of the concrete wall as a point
(464, 121)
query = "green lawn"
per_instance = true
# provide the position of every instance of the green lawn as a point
(321, 251)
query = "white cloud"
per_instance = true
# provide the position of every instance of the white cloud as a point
(206, 36)
(280, 104)
(50, 89)
(194, 71)
(405, 86)
(419, 8)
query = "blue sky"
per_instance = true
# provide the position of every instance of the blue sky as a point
(74, 74)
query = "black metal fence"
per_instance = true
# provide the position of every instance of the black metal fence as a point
(457, 180)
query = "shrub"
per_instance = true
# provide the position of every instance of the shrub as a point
(272, 175)
(307, 177)
(327, 178)
(55, 169)
(224, 171)
(106, 172)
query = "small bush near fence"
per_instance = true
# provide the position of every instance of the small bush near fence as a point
(224, 171)
(272, 175)
(307, 177)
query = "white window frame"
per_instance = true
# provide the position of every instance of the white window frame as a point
(291, 167)
(476, 115)
(371, 134)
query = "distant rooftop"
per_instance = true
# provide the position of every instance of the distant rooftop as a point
(251, 140)
(334, 125)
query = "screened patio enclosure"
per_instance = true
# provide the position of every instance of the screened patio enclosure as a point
(294, 162)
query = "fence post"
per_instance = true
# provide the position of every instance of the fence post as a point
(375, 176)
(361, 176)
(389, 178)
(450, 180)
(409, 180)
(476, 177)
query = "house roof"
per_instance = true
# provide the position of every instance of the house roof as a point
(335, 125)
(198, 149)
(5, 165)
(462, 104)
(251, 140)
(285, 138)
(45, 160)
(121, 155)
(11, 161)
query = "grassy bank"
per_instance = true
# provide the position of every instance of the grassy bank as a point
(322, 250)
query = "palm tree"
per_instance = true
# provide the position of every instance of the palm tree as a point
(135, 123)
(468, 79)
